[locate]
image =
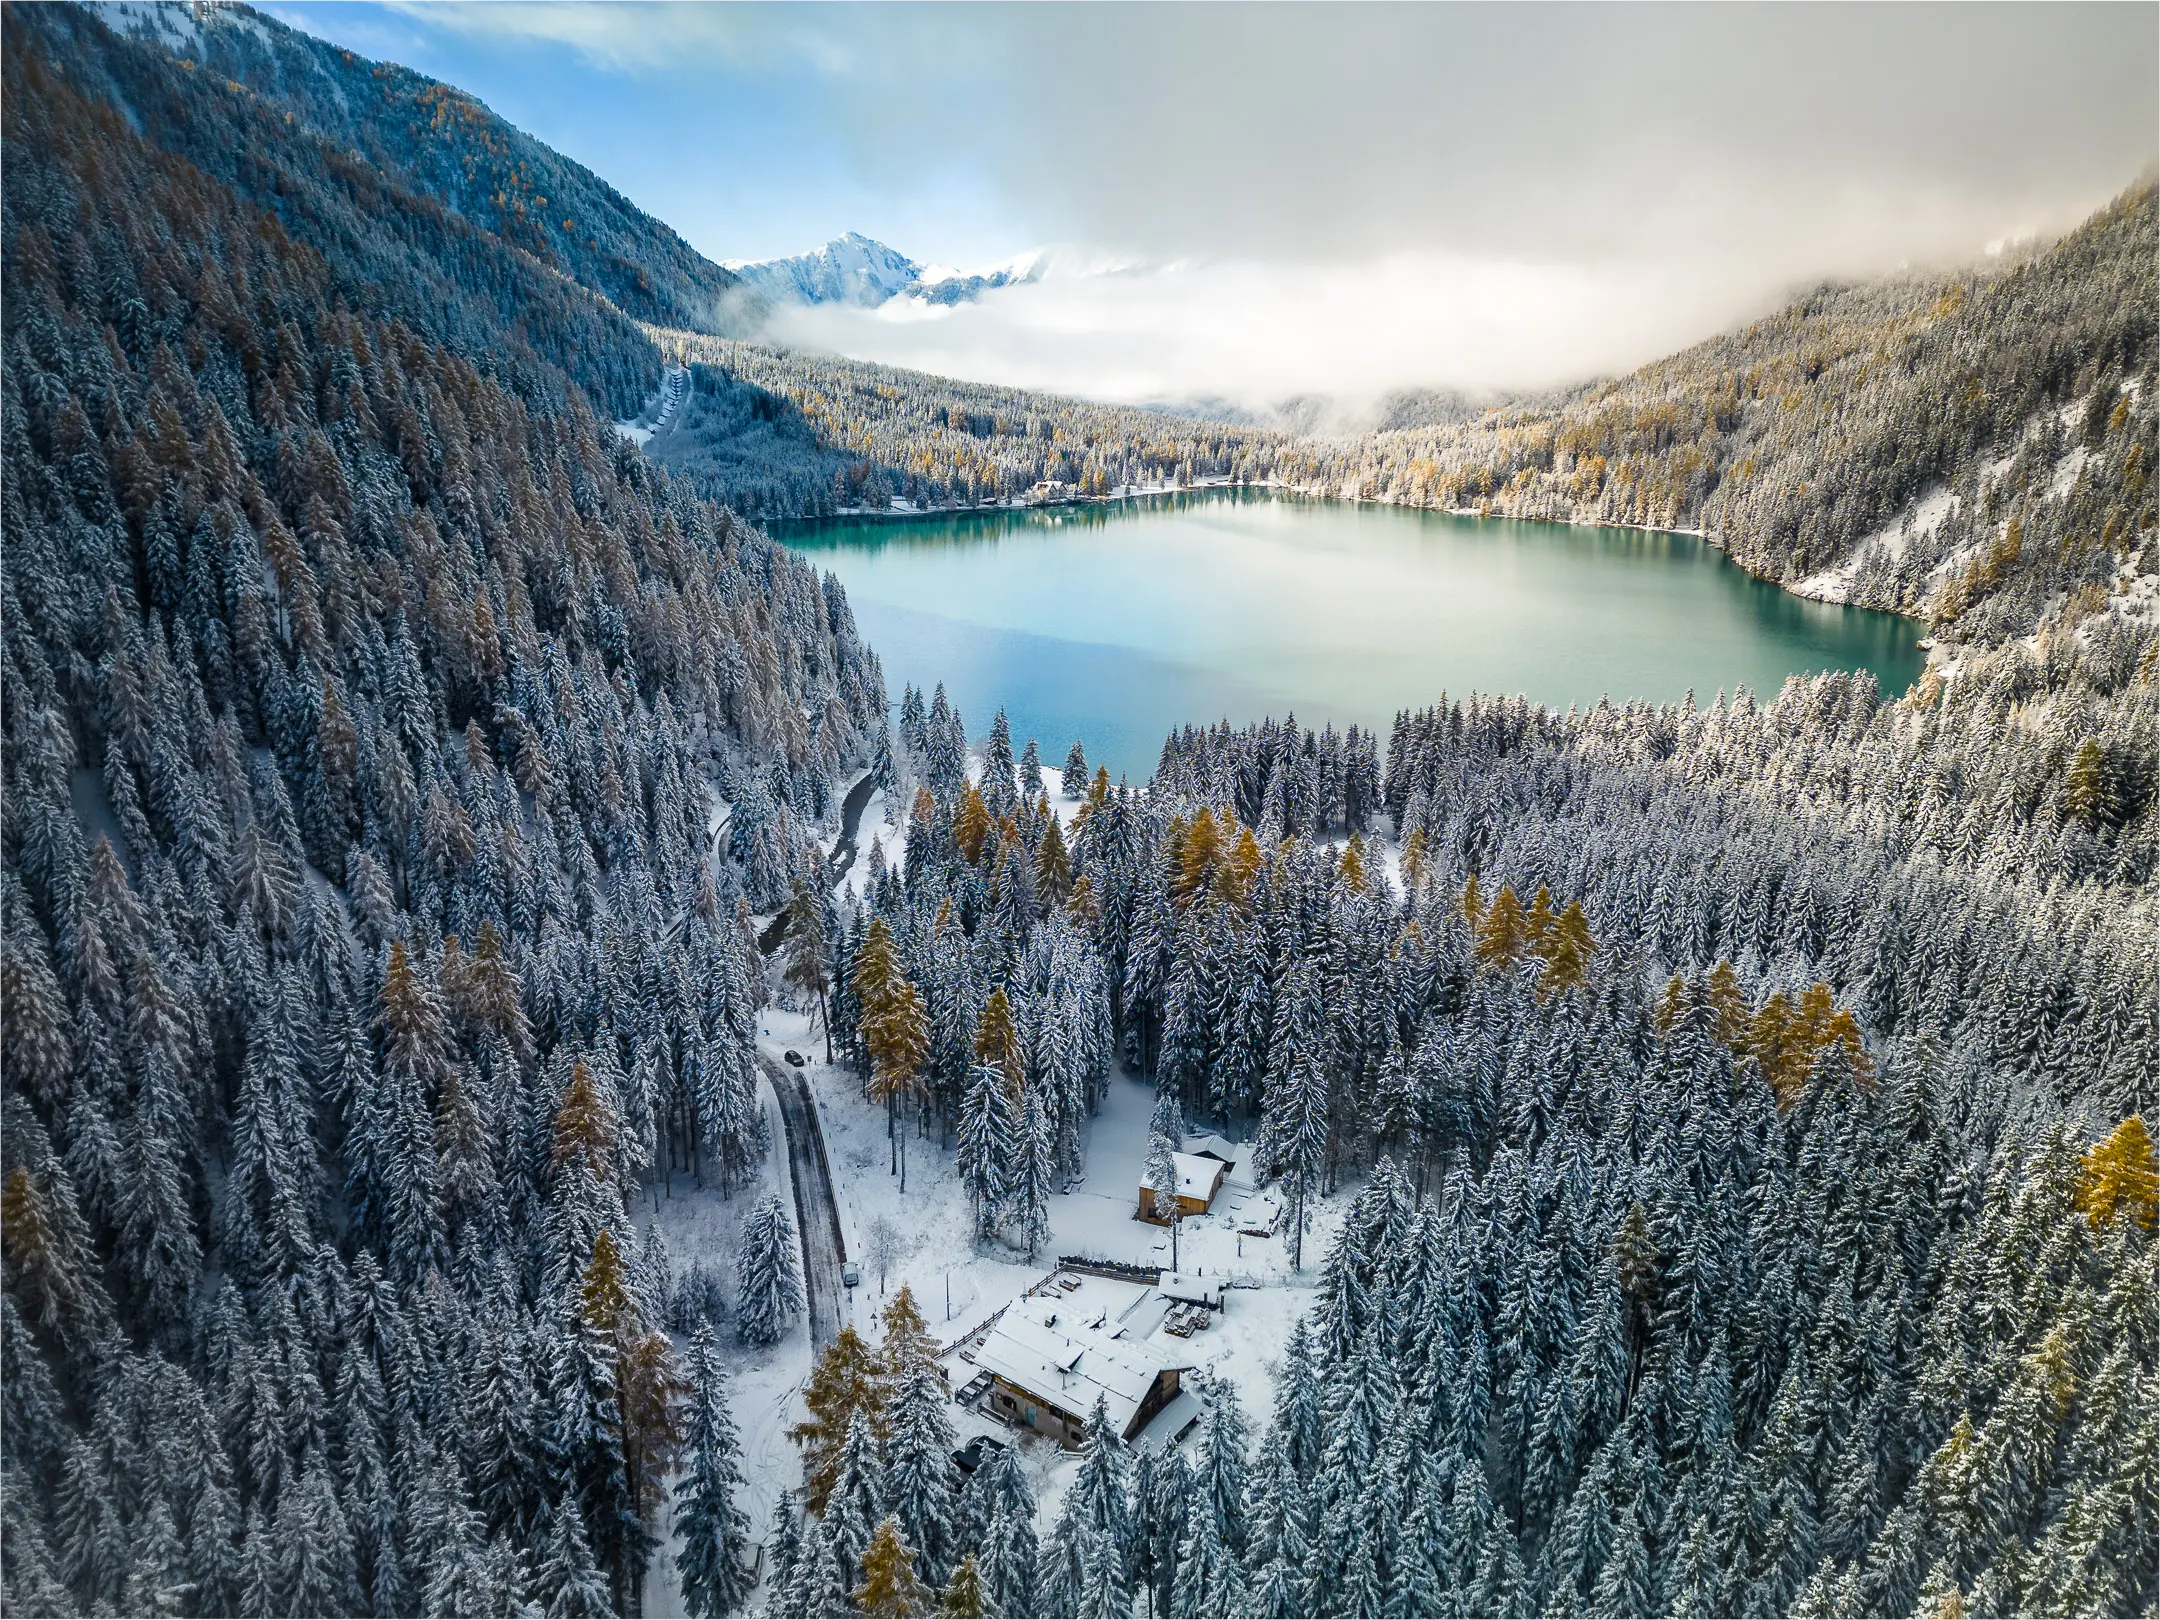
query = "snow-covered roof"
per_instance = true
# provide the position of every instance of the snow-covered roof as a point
(1068, 1354)
(1191, 1290)
(1208, 1145)
(1196, 1177)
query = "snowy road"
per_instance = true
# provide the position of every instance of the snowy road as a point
(674, 389)
(851, 809)
(838, 862)
(817, 1216)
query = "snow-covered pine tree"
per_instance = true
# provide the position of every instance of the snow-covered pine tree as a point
(920, 1482)
(1294, 1133)
(1166, 1134)
(988, 1145)
(1009, 1557)
(768, 1274)
(709, 1525)
(858, 1501)
(1032, 1181)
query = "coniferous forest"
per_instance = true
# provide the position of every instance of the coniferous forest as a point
(1740, 1105)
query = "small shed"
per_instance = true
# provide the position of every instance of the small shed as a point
(1208, 1145)
(1190, 1290)
(1199, 1179)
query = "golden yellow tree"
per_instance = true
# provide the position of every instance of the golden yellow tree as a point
(971, 824)
(847, 1378)
(1083, 908)
(1809, 1032)
(890, 1590)
(1540, 920)
(1352, 865)
(997, 1040)
(1769, 1042)
(1731, 1005)
(1053, 866)
(1234, 881)
(584, 1124)
(1197, 854)
(1414, 860)
(2084, 787)
(898, 1036)
(908, 1343)
(963, 1597)
(876, 970)
(1504, 934)
(603, 1300)
(1672, 1002)
(2118, 1181)
(1568, 948)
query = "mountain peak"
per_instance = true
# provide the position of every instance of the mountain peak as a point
(860, 270)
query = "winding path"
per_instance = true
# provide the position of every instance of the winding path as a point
(817, 1215)
(838, 863)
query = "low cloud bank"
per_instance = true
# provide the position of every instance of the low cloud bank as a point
(1253, 335)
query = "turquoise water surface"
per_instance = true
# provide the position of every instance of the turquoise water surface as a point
(1117, 623)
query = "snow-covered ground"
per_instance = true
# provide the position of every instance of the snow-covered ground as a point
(764, 1386)
(960, 1285)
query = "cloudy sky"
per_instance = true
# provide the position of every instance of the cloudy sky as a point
(1256, 201)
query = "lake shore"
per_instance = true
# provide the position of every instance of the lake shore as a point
(1805, 589)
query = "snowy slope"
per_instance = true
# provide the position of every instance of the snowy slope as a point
(854, 269)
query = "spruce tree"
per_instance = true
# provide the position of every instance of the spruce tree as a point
(988, 1147)
(1166, 1134)
(858, 1500)
(768, 1275)
(919, 1469)
(708, 1523)
(963, 1597)
(1030, 1184)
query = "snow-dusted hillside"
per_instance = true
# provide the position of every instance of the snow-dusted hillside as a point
(854, 269)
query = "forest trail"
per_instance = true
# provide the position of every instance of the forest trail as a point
(817, 1215)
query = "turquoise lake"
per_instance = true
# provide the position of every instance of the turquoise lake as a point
(1117, 623)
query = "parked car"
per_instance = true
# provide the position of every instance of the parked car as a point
(851, 1274)
(980, 1449)
(795, 1058)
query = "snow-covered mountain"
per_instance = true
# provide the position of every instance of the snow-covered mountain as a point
(853, 269)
